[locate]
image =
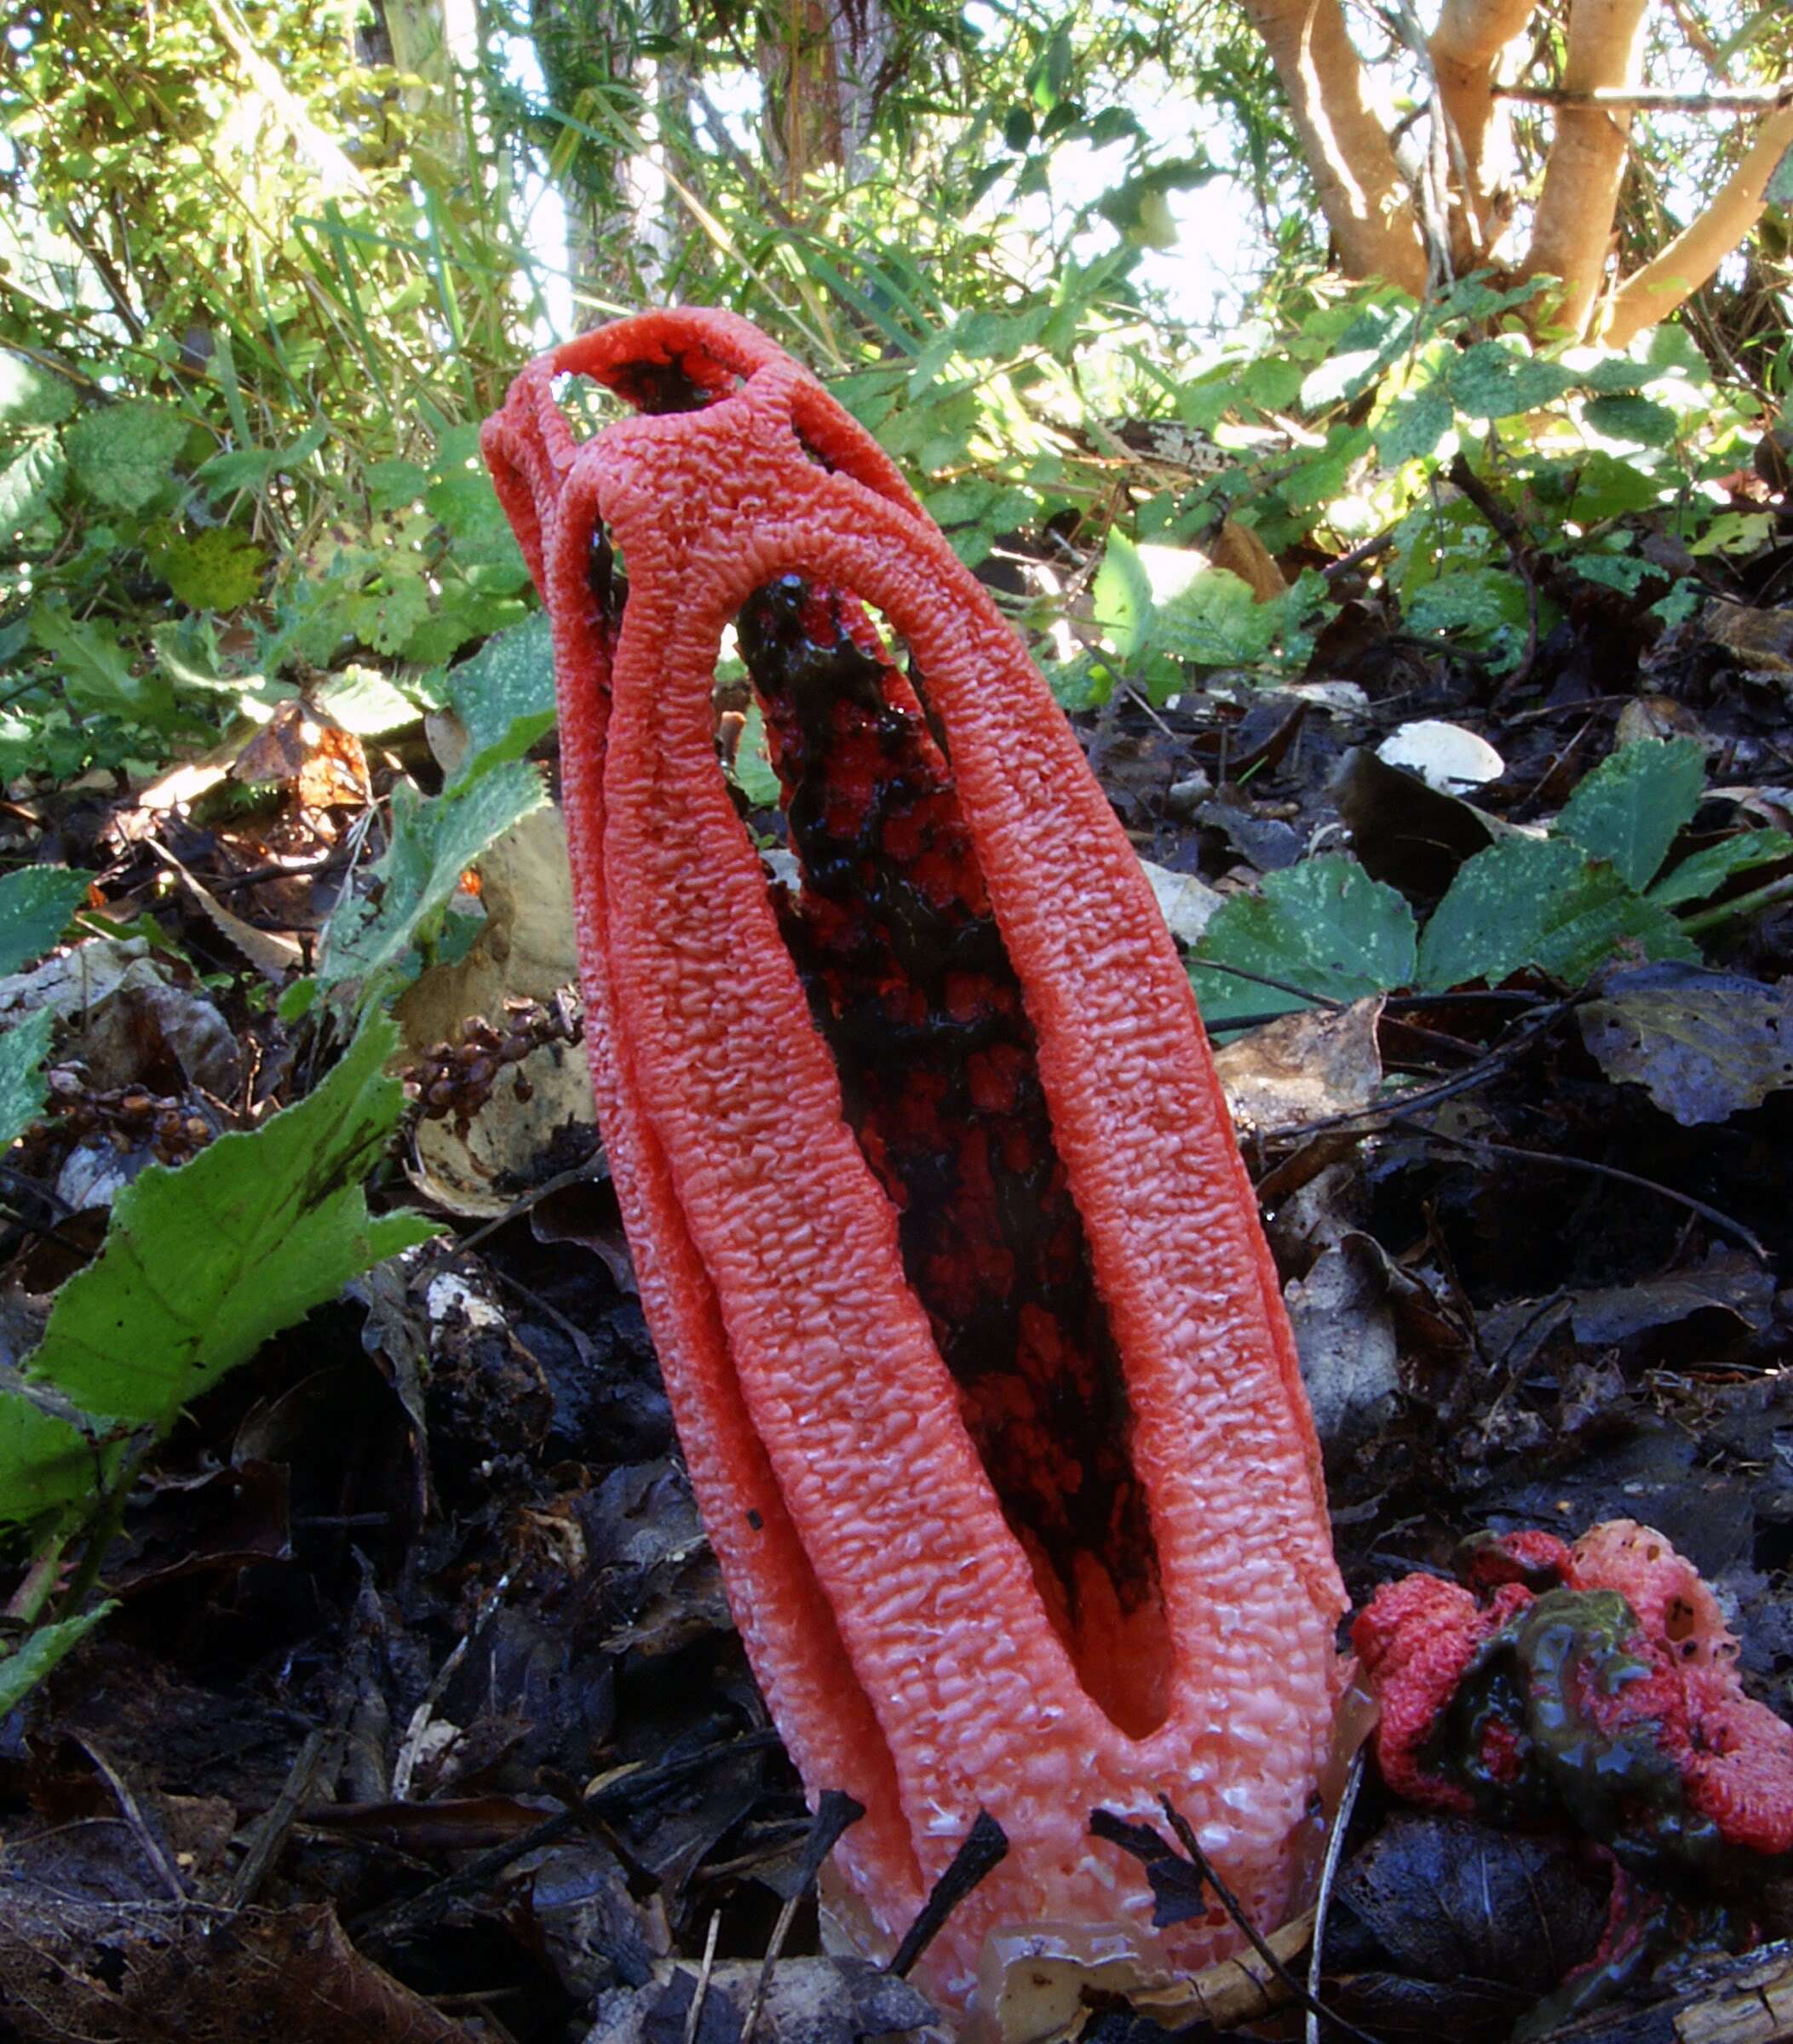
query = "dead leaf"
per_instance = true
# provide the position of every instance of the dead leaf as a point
(808, 2001)
(1304, 1067)
(1344, 1331)
(1704, 1044)
(298, 745)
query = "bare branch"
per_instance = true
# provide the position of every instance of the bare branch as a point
(1741, 99)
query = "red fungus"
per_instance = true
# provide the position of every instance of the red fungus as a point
(973, 1343)
(1597, 1681)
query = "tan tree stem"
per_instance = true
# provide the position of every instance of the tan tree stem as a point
(1690, 258)
(1574, 223)
(1361, 190)
(1465, 51)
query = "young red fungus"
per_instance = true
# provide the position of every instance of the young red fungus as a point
(974, 1345)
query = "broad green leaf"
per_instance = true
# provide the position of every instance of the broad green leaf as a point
(23, 1049)
(1704, 872)
(47, 1463)
(36, 903)
(31, 396)
(216, 569)
(200, 1264)
(1215, 621)
(1638, 420)
(1486, 603)
(1539, 902)
(1413, 426)
(1323, 926)
(1122, 593)
(1628, 810)
(504, 695)
(122, 455)
(433, 844)
(1492, 381)
(38, 1652)
(29, 482)
(96, 671)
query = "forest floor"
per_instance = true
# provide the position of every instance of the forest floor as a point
(420, 1714)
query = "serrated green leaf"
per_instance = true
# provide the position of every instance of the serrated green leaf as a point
(36, 903)
(96, 671)
(1492, 381)
(1629, 808)
(31, 396)
(29, 481)
(1413, 426)
(122, 455)
(1323, 926)
(392, 484)
(38, 1652)
(1540, 902)
(504, 695)
(433, 844)
(1639, 420)
(384, 619)
(1215, 621)
(200, 1264)
(216, 570)
(23, 1049)
(1704, 872)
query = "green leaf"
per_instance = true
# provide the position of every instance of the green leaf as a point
(433, 844)
(753, 771)
(1215, 621)
(1492, 380)
(1628, 810)
(96, 671)
(36, 903)
(31, 396)
(1539, 902)
(200, 1264)
(1639, 420)
(216, 570)
(29, 481)
(38, 1652)
(250, 468)
(1413, 426)
(123, 454)
(1122, 593)
(504, 695)
(47, 1463)
(1778, 190)
(23, 1049)
(1705, 871)
(1323, 926)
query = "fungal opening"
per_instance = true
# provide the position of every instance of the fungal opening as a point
(912, 989)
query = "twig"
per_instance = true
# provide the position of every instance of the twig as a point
(1474, 1145)
(1229, 1902)
(986, 1846)
(700, 1992)
(835, 1811)
(273, 1827)
(1329, 1873)
(611, 1798)
(1742, 99)
(132, 1812)
(412, 1745)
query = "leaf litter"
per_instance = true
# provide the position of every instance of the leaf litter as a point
(416, 1691)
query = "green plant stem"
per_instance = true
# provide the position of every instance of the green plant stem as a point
(105, 1528)
(1744, 905)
